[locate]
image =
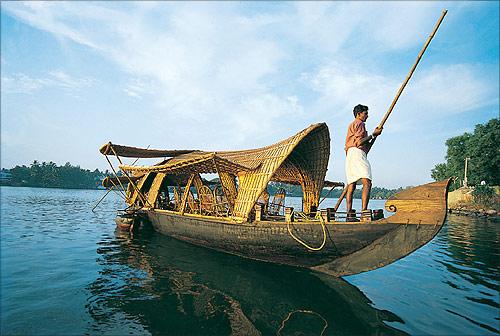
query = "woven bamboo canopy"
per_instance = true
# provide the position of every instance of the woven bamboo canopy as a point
(302, 159)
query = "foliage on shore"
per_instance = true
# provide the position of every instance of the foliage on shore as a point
(485, 197)
(482, 149)
(49, 175)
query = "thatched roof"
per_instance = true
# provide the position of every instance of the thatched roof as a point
(301, 159)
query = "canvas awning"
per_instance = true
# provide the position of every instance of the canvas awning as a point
(135, 152)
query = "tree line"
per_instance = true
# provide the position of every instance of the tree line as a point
(482, 147)
(50, 175)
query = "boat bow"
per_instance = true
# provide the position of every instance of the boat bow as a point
(419, 215)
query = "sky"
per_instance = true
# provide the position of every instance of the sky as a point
(238, 75)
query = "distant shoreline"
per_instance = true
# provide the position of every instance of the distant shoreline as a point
(49, 175)
(49, 187)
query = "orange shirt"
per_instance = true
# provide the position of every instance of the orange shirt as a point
(355, 132)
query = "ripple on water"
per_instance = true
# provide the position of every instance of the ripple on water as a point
(65, 270)
(451, 283)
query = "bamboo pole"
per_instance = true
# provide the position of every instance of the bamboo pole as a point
(398, 94)
(106, 194)
(384, 119)
(341, 198)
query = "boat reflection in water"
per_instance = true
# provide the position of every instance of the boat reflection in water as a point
(155, 284)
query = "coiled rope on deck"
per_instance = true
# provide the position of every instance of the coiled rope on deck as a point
(305, 244)
(305, 312)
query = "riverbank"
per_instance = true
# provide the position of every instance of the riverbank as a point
(490, 214)
(462, 202)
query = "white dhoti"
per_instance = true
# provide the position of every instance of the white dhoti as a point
(357, 165)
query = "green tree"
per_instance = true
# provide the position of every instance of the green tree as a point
(484, 151)
(482, 147)
(50, 175)
(483, 195)
(440, 172)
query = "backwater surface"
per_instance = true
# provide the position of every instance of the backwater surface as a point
(65, 270)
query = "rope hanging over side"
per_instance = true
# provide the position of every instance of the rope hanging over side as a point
(305, 244)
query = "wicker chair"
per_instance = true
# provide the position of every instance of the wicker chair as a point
(277, 205)
(207, 201)
(221, 205)
(191, 203)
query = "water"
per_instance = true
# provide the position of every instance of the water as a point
(65, 270)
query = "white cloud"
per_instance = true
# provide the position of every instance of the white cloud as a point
(444, 90)
(138, 88)
(47, 16)
(259, 114)
(344, 85)
(22, 83)
(436, 93)
(401, 24)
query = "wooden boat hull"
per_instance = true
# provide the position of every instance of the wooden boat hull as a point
(350, 248)
(373, 244)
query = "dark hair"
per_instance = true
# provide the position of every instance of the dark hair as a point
(358, 109)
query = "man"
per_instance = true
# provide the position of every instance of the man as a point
(357, 145)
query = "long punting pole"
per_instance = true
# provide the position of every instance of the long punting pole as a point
(386, 116)
(384, 119)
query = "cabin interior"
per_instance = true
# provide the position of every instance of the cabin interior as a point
(197, 195)
(244, 179)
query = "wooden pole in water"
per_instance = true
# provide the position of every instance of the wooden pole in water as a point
(341, 198)
(398, 94)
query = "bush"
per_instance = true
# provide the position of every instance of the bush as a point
(484, 195)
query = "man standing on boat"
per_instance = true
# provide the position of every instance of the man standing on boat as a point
(357, 145)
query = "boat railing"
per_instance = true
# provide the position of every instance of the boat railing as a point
(328, 215)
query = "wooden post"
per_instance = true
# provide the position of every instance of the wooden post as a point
(258, 212)
(186, 193)
(366, 215)
(328, 215)
(289, 214)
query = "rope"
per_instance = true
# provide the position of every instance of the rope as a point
(302, 311)
(305, 244)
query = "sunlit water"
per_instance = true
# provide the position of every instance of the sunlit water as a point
(66, 270)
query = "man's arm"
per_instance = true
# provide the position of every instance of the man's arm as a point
(371, 138)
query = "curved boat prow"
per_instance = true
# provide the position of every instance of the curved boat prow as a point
(419, 215)
(425, 204)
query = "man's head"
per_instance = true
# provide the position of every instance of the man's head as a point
(360, 112)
